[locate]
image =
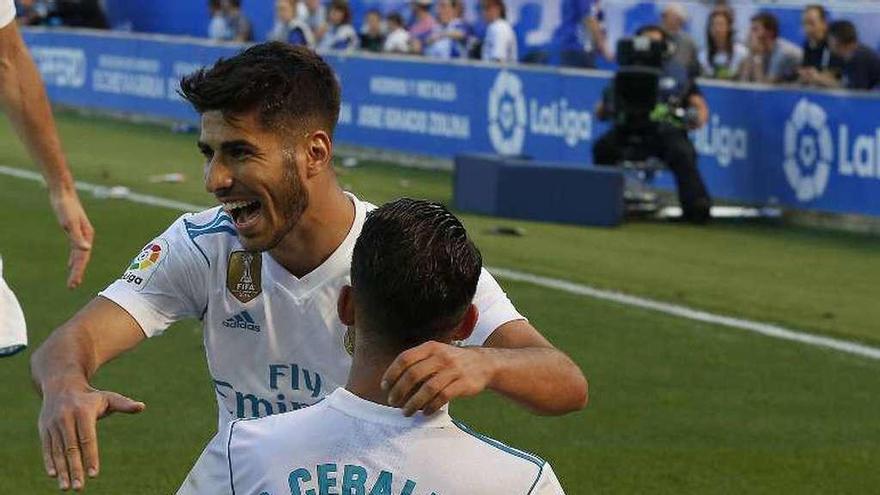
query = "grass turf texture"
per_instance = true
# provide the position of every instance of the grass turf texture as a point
(677, 406)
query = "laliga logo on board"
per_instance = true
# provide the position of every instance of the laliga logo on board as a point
(808, 150)
(507, 114)
(510, 117)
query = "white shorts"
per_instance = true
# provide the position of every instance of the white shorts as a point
(210, 475)
(13, 332)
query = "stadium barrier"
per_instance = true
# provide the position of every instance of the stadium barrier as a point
(509, 187)
(795, 148)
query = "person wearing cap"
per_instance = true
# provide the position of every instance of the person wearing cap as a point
(673, 20)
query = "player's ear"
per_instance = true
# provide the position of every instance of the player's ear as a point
(466, 327)
(319, 150)
(345, 306)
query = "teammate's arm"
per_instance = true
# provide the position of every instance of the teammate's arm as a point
(61, 369)
(515, 361)
(23, 98)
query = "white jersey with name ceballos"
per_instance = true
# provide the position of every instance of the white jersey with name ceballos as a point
(274, 342)
(346, 444)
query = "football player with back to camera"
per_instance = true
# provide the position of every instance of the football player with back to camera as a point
(680, 107)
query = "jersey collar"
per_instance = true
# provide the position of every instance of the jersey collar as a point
(352, 405)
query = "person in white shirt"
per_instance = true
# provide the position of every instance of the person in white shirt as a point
(398, 40)
(499, 43)
(447, 39)
(23, 99)
(340, 34)
(289, 27)
(262, 271)
(414, 273)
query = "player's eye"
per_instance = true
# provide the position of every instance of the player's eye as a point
(207, 152)
(239, 153)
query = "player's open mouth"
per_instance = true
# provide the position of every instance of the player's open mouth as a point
(244, 213)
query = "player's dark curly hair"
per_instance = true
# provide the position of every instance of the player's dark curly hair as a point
(284, 83)
(414, 271)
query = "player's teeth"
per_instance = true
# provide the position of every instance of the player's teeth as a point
(234, 205)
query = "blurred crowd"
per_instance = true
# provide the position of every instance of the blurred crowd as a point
(72, 13)
(828, 56)
(431, 28)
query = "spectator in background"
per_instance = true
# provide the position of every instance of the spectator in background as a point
(723, 55)
(423, 24)
(499, 43)
(397, 40)
(340, 34)
(771, 59)
(32, 12)
(316, 18)
(819, 66)
(861, 65)
(372, 34)
(448, 38)
(288, 27)
(218, 30)
(240, 29)
(673, 19)
(583, 37)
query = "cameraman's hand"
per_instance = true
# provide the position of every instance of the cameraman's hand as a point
(68, 432)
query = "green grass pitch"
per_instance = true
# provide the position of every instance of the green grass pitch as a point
(676, 406)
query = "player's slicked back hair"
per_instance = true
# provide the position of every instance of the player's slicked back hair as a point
(285, 84)
(414, 272)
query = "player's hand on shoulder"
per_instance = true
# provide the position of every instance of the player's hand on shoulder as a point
(428, 376)
(68, 431)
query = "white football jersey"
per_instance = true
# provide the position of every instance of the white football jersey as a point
(7, 12)
(348, 445)
(274, 342)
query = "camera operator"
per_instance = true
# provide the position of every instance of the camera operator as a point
(680, 107)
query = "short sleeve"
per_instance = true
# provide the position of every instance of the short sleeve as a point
(547, 483)
(494, 307)
(165, 282)
(7, 12)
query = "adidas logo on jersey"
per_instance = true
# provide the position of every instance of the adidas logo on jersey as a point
(242, 320)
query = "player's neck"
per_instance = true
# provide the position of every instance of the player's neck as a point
(364, 380)
(322, 228)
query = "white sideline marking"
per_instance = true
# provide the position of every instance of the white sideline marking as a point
(766, 329)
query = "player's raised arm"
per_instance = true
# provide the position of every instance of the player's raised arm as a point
(62, 368)
(516, 361)
(505, 354)
(23, 98)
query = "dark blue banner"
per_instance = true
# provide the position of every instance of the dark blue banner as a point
(800, 149)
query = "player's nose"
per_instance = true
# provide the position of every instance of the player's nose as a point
(217, 176)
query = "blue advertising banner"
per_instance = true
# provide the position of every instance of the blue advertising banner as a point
(799, 149)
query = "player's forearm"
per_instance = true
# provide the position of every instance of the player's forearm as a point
(24, 100)
(543, 379)
(66, 359)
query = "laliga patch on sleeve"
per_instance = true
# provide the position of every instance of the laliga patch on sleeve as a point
(145, 264)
